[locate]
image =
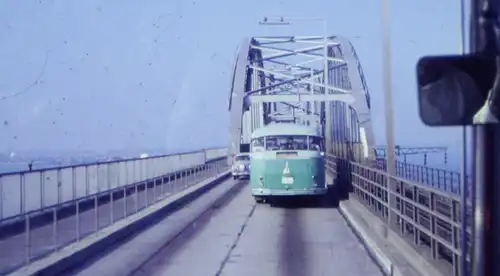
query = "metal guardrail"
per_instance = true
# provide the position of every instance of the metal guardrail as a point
(27, 191)
(42, 235)
(445, 180)
(418, 212)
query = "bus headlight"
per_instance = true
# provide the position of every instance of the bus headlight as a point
(322, 153)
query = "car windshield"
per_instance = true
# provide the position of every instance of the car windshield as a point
(242, 158)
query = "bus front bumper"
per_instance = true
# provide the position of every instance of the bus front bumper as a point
(289, 192)
(241, 174)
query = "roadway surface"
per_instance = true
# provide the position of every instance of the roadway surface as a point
(12, 245)
(224, 232)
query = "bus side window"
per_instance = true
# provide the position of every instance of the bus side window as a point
(258, 144)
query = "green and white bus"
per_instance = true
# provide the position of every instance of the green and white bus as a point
(287, 160)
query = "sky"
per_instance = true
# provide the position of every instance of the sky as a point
(99, 75)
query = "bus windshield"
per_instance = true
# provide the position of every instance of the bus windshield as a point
(315, 143)
(288, 142)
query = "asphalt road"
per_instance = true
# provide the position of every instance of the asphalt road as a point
(225, 232)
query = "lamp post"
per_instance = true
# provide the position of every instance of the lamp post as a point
(463, 165)
(389, 112)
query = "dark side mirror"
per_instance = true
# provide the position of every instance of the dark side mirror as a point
(453, 90)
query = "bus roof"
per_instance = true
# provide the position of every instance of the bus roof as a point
(285, 129)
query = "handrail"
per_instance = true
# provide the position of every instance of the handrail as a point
(420, 213)
(27, 191)
(108, 162)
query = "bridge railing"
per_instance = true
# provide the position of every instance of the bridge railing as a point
(438, 178)
(421, 214)
(27, 191)
(44, 210)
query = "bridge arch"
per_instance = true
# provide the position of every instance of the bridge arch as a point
(293, 65)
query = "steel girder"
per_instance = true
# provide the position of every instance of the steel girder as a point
(283, 77)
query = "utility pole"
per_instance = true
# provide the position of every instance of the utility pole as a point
(389, 112)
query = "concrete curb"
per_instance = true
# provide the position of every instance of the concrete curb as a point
(79, 252)
(373, 249)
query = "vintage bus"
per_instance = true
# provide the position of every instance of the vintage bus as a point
(287, 160)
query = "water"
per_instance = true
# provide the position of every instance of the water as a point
(453, 164)
(7, 167)
(12, 167)
(453, 161)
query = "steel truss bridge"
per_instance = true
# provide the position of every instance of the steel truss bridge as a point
(181, 214)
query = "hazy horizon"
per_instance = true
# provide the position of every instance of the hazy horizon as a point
(101, 75)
